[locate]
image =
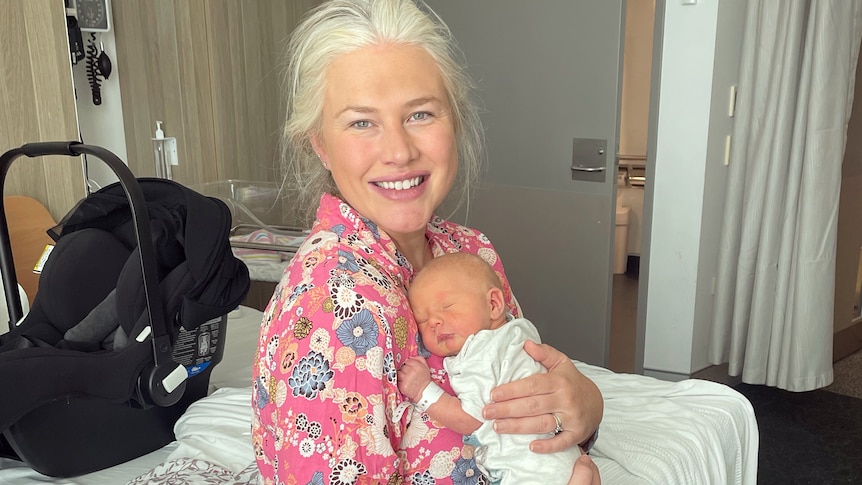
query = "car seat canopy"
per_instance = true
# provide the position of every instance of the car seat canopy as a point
(186, 227)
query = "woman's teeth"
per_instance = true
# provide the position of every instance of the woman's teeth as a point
(401, 184)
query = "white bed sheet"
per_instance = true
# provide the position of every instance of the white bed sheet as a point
(653, 432)
(688, 432)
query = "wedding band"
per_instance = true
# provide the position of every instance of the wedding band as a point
(559, 428)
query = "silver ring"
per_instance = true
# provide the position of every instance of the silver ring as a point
(559, 428)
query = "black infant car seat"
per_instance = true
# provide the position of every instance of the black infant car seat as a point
(128, 323)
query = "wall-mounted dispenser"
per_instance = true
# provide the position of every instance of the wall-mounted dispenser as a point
(165, 152)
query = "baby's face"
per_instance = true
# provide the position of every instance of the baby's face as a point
(447, 311)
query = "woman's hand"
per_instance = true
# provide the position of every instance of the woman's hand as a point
(413, 376)
(528, 405)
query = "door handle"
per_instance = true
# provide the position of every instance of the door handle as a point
(589, 157)
(577, 168)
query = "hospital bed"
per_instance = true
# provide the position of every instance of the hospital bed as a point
(653, 432)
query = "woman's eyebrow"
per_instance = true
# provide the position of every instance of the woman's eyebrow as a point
(423, 100)
(356, 109)
(368, 109)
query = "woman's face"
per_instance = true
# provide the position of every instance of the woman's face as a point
(388, 137)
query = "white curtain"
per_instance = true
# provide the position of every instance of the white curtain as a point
(773, 314)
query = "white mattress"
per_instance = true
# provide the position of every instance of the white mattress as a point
(653, 432)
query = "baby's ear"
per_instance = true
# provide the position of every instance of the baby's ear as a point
(497, 303)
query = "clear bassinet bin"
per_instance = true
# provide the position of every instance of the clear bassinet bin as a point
(259, 236)
(254, 205)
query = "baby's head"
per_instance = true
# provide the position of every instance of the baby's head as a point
(454, 296)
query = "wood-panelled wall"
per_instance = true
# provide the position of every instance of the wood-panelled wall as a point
(209, 69)
(37, 101)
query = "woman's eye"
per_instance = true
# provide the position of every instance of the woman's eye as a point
(361, 124)
(420, 116)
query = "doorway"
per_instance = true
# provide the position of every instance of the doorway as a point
(634, 121)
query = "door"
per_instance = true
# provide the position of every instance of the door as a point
(548, 73)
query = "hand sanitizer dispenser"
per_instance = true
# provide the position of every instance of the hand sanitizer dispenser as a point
(164, 152)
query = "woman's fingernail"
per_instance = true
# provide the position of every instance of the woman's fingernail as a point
(489, 414)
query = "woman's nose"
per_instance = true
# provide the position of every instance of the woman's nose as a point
(398, 146)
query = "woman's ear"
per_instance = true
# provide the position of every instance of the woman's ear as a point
(317, 146)
(497, 303)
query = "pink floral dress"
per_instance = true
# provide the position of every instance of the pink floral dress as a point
(325, 397)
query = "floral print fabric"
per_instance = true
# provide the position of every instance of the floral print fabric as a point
(325, 397)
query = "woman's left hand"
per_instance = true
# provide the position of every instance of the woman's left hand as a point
(528, 405)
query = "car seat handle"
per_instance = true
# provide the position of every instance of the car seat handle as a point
(140, 220)
(49, 148)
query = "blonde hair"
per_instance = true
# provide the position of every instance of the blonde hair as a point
(465, 265)
(337, 27)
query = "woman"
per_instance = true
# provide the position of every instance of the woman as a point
(380, 123)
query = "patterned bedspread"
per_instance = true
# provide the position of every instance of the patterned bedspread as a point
(201, 472)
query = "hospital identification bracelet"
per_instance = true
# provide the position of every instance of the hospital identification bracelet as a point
(430, 395)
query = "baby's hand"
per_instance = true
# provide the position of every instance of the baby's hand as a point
(413, 376)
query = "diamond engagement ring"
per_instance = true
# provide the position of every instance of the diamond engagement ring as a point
(559, 428)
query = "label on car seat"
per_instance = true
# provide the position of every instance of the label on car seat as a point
(43, 258)
(195, 349)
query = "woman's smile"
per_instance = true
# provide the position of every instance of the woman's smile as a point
(400, 185)
(401, 189)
